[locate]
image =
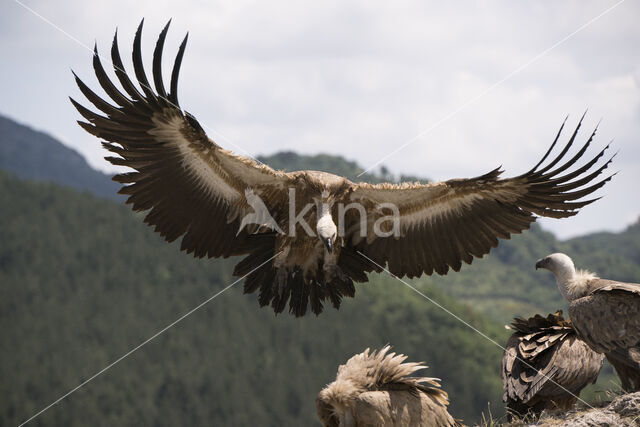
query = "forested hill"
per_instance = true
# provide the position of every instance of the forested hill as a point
(36, 155)
(290, 161)
(83, 281)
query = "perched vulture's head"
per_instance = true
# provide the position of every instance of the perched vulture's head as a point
(572, 283)
(558, 263)
(327, 231)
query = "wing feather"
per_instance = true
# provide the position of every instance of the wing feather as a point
(173, 94)
(607, 319)
(564, 150)
(545, 364)
(106, 83)
(157, 63)
(138, 66)
(187, 183)
(122, 76)
(460, 219)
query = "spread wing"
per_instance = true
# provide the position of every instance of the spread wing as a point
(442, 224)
(608, 319)
(190, 186)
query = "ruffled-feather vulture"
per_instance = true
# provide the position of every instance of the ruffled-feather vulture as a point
(605, 314)
(378, 389)
(545, 365)
(306, 236)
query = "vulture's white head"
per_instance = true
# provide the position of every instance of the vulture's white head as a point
(327, 230)
(571, 283)
(558, 263)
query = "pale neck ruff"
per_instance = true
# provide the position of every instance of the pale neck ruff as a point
(574, 284)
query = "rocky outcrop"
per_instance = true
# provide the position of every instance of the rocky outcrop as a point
(622, 411)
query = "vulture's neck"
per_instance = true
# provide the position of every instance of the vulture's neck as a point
(325, 210)
(573, 284)
(341, 395)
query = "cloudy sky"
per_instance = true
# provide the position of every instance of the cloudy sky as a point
(470, 85)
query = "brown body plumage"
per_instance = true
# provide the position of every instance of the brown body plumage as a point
(545, 365)
(195, 190)
(605, 314)
(377, 389)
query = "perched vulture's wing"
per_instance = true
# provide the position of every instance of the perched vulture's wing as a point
(512, 367)
(545, 364)
(528, 363)
(442, 224)
(609, 318)
(608, 321)
(191, 186)
(577, 366)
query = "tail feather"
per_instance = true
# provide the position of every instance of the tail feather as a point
(280, 285)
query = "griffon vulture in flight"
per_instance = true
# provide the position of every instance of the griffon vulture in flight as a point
(545, 365)
(378, 389)
(306, 236)
(605, 314)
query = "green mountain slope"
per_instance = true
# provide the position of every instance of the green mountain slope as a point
(290, 161)
(36, 155)
(83, 281)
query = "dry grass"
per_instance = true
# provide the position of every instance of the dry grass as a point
(558, 418)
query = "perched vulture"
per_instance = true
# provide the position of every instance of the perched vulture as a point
(307, 236)
(377, 389)
(545, 365)
(605, 314)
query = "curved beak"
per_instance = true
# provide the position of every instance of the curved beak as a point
(328, 244)
(540, 263)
